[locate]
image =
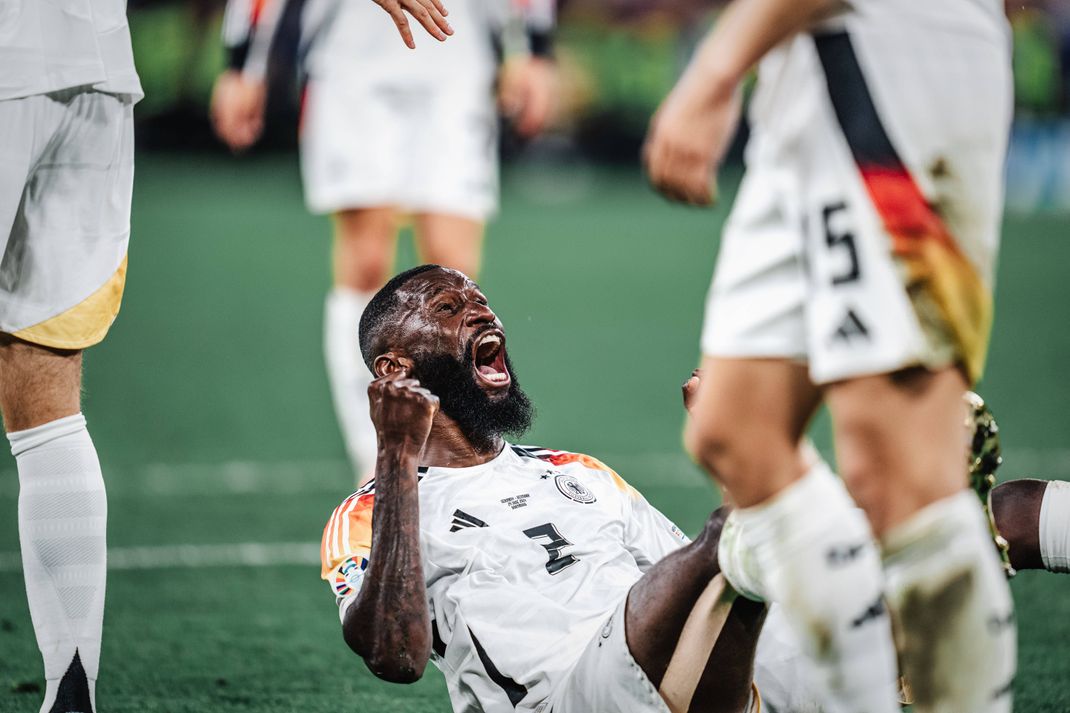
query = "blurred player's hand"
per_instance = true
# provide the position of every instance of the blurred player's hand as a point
(526, 92)
(690, 388)
(429, 13)
(238, 109)
(402, 411)
(688, 137)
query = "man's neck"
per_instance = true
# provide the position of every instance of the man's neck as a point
(447, 447)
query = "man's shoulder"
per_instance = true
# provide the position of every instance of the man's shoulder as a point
(561, 458)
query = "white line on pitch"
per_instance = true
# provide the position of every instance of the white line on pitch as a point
(666, 469)
(245, 554)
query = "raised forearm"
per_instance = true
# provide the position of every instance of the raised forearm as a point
(745, 31)
(389, 625)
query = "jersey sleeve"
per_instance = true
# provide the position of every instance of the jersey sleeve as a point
(346, 546)
(249, 28)
(540, 18)
(649, 535)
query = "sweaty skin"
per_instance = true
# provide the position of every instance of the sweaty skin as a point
(389, 624)
(398, 646)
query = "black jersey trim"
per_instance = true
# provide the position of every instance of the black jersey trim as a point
(369, 487)
(513, 690)
(437, 644)
(853, 103)
(533, 452)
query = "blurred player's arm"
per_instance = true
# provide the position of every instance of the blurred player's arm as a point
(240, 92)
(389, 624)
(249, 29)
(1034, 517)
(692, 128)
(526, 83)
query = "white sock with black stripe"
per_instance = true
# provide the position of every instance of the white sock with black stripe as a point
(63, 514)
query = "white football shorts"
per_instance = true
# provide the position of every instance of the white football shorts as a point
(607, 678)
(66, 176)
(864, 234)
(419, 147)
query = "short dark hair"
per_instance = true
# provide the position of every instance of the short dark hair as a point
(381, 311)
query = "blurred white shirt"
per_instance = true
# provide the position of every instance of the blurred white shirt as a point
(50, 45)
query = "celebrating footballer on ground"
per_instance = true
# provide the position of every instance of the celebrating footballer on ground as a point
(538, 579)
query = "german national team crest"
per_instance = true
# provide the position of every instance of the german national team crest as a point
(348, 575)
(573, 489)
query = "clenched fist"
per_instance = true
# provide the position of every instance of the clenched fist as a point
(402, 410)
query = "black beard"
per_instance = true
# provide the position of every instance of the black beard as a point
(481, 419)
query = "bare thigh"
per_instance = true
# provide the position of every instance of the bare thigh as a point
(748, 418)
(451, 241)
(658, 607)
(899, 444)
(37, 384)
(364, 240)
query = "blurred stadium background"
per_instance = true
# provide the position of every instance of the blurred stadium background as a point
(210, 409)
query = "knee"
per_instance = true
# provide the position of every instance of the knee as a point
(363, 254)
(862, 450)
(713, 444)
(463, 256)
(751, 460)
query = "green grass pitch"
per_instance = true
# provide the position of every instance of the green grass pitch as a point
(209, 406)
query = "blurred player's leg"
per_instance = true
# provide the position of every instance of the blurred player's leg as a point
(363, 256)
(902, 460)
(1034, 517)
(65, 188)
(62, 516)
(813, 548)
(451, 241)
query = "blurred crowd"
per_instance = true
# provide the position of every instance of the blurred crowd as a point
(616, 59)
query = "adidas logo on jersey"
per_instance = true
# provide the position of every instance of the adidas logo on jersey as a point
(461, 520)
(850, 328)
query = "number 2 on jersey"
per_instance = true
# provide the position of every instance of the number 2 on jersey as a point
(554, 543)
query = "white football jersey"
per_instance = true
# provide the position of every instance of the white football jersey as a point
(358, 41)
(48, 46)
(524, 558)
(907, 49)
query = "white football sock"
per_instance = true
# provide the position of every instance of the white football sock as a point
(1055, 526)
(951, 600)
(819, 562)
(349, 376)
(63, 513)
(738, 563)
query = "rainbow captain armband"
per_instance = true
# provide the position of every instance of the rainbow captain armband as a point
(349, 575)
